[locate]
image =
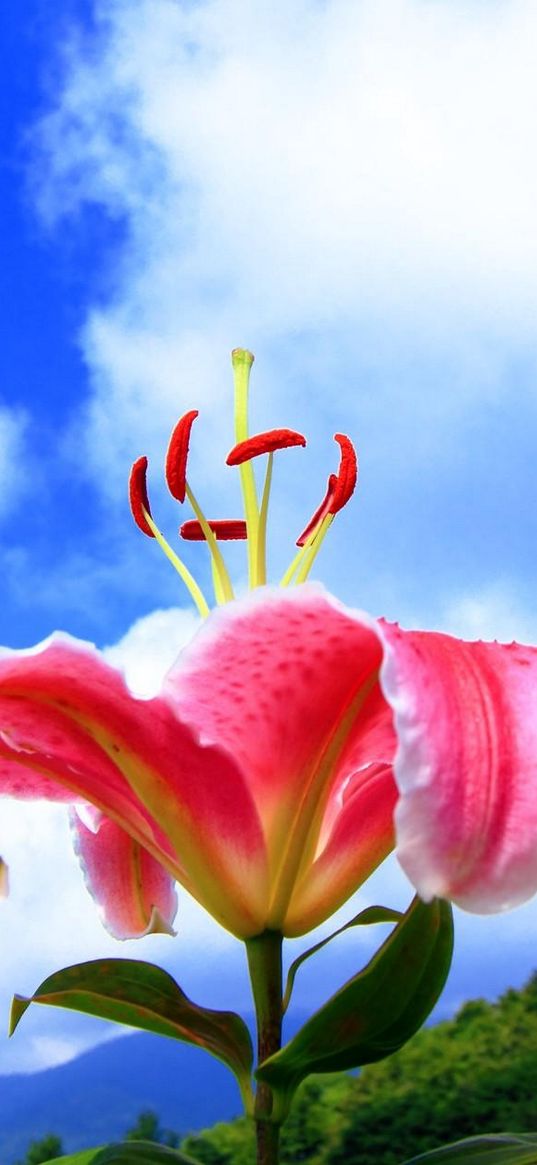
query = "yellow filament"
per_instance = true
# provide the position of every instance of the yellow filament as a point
(313, 550)
(294, 565)
(242, 361)
(262, 528)
(216, 581)
(223, 590)
(299, 569)
(182, 570)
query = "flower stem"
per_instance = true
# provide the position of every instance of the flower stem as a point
(265, 965)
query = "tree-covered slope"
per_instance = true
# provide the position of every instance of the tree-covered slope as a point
(474, 1074)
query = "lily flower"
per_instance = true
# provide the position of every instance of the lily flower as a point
(294, 742)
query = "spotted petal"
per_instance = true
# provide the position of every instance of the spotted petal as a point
(288, 682)
(466, 766)
(262, 777)
(135, 892)
(71, 727)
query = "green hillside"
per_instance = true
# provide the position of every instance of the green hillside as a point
(474, 1074)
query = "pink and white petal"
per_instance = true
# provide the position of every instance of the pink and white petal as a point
(46, 755)
(466, 766)
(69, 716)
(370, 744)
(362, 836)
(273, 679)
(134, 892)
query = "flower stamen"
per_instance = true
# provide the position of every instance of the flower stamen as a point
(339, 489)
(302, 563)
(138, 498)
(224, 530)
(322, 510)
(261, 443)
(182, 570)
(223, 589)
(253, 528)
(255, 446)
(347, 474)
(141, 512)
(312, 548)
(262, 527)
(177, 456)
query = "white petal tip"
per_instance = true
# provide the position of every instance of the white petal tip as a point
(158, 925)
(4, 879)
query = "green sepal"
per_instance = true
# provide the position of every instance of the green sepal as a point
(377, 1011)
(143, 996)
(372, 914)
(492, 1149)
(141, 1153)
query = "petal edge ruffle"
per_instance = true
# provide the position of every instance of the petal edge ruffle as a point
(466, 766)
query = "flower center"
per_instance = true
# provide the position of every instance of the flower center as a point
(253, 527)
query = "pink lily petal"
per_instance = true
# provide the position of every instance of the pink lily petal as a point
(68, 716)
(262, 777)
(466, 766)
(286, 681)
(362, 836)
(357, 830)
(135, 893)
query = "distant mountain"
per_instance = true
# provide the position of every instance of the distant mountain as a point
(96, 1097)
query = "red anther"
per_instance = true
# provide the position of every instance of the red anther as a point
(322, 510)
(347, 473)
(138, 498)
(339, 489)
(224, 530)
(176, 457)
(264, 443)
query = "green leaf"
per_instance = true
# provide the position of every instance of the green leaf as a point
(142, 1153)
(137, 1152)
(377, 1011)
(494, 1149)
(87, 1157)
(366, 917)
(143, 996)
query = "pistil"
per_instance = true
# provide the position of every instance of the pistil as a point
(242, 361)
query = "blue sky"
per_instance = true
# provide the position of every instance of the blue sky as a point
(347, 188)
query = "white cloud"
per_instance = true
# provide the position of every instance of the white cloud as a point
(49, 921)
(361, 171)
(495, 612)
(339, 181)
(14, 467)
(151, 646)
